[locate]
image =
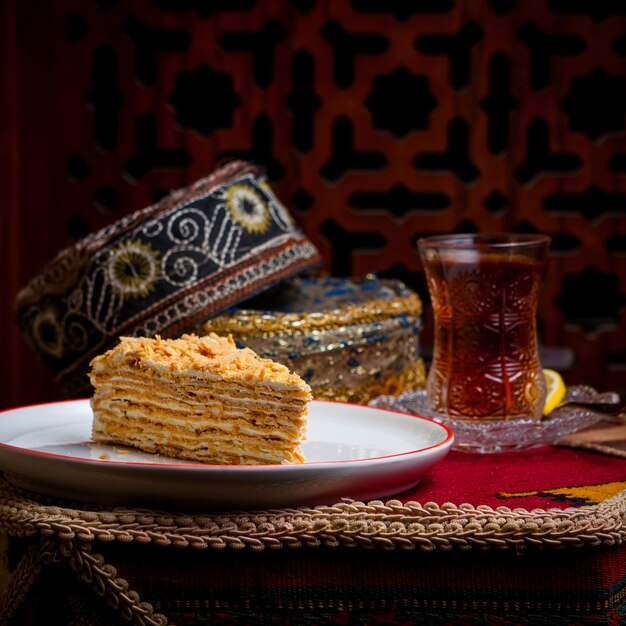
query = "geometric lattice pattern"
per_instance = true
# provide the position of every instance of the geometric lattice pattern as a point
(377, 122)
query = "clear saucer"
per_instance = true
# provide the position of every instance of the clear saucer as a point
(507, 435)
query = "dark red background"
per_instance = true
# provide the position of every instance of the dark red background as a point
(378, 122)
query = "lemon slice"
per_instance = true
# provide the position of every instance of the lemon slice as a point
(555, 390)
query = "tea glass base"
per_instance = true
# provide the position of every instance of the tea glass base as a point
(488, 437)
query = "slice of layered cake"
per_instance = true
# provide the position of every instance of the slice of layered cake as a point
(198, 398)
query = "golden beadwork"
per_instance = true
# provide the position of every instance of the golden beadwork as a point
(349, 349)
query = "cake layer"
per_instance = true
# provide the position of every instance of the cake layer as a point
(257, 424)
(199, 398)
(198, 422)
(212, 447)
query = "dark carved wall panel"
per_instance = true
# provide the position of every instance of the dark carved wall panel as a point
(378, 122)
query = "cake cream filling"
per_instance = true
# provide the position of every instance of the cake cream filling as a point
(215, 444)
(185, 394)
(253, 425)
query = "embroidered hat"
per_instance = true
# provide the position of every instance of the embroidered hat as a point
(161, 270)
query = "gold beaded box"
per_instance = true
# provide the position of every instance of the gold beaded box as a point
(351, 339)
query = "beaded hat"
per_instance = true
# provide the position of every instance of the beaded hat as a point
(161, 270)
(351, 339)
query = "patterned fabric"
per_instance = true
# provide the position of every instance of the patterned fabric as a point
(607, 437)
(545, 478)
(335, 586)
(161, 270)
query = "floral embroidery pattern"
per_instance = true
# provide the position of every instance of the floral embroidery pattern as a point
(247, 208)
(133, 268)
(47, 333)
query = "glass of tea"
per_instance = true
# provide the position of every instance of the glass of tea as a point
(484, 290)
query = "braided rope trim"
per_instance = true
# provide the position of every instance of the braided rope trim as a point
(93, 571)
(23, 578)
(377, 525)
(102, 578)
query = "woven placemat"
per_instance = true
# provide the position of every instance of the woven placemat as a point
(69, 532)
(605, 437)
(381, 525)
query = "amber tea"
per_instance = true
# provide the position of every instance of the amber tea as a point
(484, 292)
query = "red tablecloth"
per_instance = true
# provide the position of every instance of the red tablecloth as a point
(547, 477)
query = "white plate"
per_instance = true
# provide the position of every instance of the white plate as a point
(352, 451)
